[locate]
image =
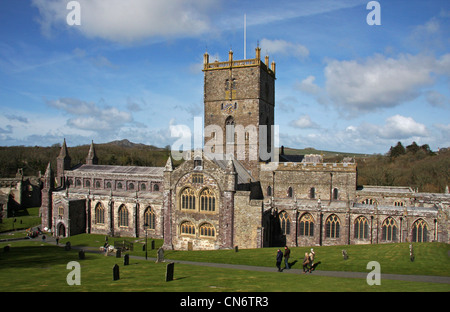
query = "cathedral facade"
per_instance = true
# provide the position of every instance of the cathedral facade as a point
(239, 190)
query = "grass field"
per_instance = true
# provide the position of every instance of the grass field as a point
(37, 266)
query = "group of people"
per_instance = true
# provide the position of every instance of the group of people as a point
(308, 261)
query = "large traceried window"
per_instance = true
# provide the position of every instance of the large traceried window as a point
(333, 225)
(420, 231)
(361, 228)
(188, 199)
(207, 230)
(123, 216)
(187, 228)
(149, 219)
(207, 200)
(389, 229)
(306, 225)
(285, 222)
(99, 214)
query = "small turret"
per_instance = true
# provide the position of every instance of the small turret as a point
(62, 163)
(92, 158)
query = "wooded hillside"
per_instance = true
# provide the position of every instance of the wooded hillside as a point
(414, 166)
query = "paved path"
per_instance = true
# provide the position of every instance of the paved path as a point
(342, 274)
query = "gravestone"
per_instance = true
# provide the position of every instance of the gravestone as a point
(126, 259)
(153, 244)
(411, 253)
(144, 247)
(6, 249)
(169, 272)
(190, 246)
(119, 253)
(160, 255)
(68, 246)
(116, 273)
(236, 248)
(81, 254)
(344, 254)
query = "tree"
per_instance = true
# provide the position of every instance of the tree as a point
(413, 148)
(397, 150)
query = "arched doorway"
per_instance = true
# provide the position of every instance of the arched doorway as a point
(61, 230)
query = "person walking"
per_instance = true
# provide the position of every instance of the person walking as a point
(305, 263)
(279, 259)
(312, 254)
(287, 253)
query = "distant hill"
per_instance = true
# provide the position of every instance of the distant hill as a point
(127, 144)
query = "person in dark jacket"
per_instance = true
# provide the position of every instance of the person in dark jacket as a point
(279, 259)
(287, 253)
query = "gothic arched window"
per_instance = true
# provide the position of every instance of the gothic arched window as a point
(207, 200)
(149, 218)
(389, 229)
(123, 216)
(361, 228)
(306, 225)
(333, 226)
(188, 199)
(420, 231)
(285, 222)
(208, 230)
(99, 214)
(187, 228)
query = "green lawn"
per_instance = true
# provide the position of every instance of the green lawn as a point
(24, 219)
(36, 266)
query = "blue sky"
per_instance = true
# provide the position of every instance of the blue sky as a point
(133, 68)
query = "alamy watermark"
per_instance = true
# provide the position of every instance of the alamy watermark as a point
(374, 276)
(74, 276)
(374, 16)
(74, 16)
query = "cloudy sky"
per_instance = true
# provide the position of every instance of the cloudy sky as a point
(133, 68)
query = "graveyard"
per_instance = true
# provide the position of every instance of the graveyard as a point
(35, 265)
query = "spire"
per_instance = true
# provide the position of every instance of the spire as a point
(169, 166)
(64, 153)
(92, 158)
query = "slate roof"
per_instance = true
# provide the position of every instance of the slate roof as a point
(128, 170)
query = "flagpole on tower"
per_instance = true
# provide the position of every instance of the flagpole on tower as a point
(245, 36)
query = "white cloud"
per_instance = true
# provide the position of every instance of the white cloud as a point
(131, 20)
(304, 122)
(89, 116)
(401, 127)
(381, 82)
(282, 47)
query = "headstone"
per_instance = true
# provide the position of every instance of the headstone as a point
(144, 247)
(190, 246)
(236, 248)
(81, 255)
(126, 259)
(344, 254)
(6, 249)
(116, 273)
(160, 255)
(153, 244)
(411, 253)
(169, 272)
(118, 253)
(68, 246)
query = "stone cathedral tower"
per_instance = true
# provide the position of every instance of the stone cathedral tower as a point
(239, 97)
